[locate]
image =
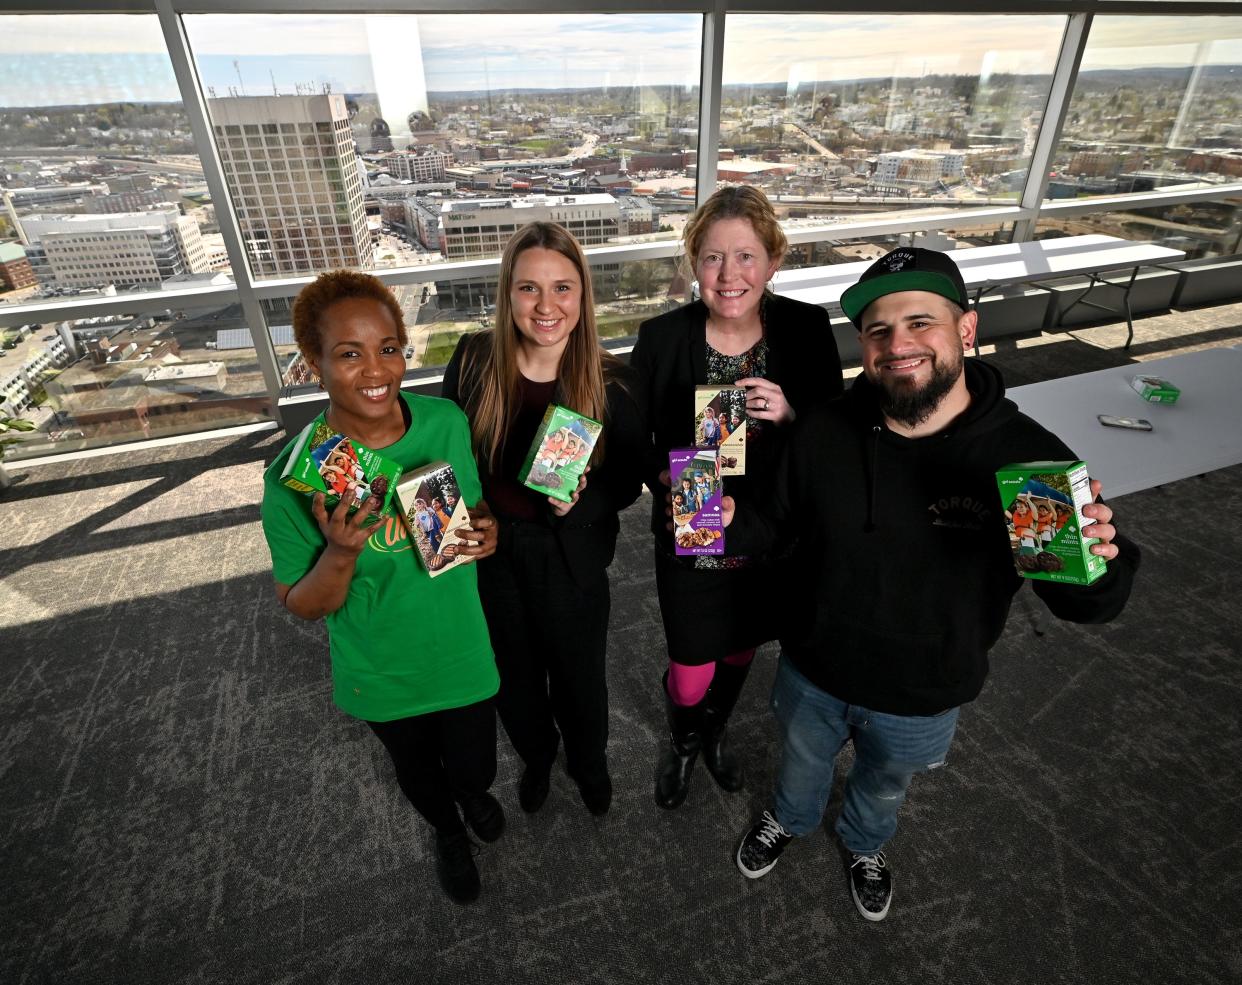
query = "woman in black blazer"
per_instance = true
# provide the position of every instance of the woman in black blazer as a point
(545, 591)
(717, 610)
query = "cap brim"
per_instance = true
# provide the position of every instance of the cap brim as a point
(855, 300)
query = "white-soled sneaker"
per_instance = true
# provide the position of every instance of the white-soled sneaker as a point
(761, 847)
(871, 885)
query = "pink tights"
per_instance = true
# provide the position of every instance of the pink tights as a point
(688, 684)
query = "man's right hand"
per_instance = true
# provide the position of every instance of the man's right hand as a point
(727, 507)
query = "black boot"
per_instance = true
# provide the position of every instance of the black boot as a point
(677, 760)
(720, 759)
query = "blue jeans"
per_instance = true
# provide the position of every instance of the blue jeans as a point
(888, 751)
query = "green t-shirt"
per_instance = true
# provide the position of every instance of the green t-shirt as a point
(403, 643)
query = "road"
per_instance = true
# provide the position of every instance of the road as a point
(811, 142)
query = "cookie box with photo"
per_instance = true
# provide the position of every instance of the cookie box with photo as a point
(560, 453)
(698, 527)
(324, 461)
(1043, 504)
(435, 514)
(720, 422)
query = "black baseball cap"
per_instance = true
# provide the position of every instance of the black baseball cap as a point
(907, 268)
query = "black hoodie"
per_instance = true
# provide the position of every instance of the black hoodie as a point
(903, 575)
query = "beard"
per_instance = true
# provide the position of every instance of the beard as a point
(909, 404)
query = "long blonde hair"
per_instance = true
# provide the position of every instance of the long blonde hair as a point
(491, 401)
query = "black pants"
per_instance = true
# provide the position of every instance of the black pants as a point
(442, 756)
(549, 634)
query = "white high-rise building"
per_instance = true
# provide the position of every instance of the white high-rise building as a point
(292, 169)
(129, 249)
(423, 166)
(482, 227)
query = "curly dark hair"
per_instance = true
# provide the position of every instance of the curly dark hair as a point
(337, 285)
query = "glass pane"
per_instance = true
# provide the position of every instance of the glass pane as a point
(1202, 229)
(395, 140)
(101, 189)
(438, 313)
(853, 250)
(904, 113)
(1156, 106)
(102, 381)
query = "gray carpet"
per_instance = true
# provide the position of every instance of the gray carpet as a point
(180, 802)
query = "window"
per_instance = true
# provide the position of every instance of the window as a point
(370, 101)
(1155, 107)
(83, 150)
(859, 116)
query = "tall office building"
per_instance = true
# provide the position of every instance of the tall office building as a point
(292, 169)
(130, 249)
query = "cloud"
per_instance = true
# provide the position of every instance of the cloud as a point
(471, 51)
(82, 33)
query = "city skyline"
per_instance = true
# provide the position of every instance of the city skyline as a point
(94, 59)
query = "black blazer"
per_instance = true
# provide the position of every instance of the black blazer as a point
(670, 358)
(588, 533)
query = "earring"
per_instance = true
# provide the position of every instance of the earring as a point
(319, 383)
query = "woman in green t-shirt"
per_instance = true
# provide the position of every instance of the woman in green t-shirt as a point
(423, 684)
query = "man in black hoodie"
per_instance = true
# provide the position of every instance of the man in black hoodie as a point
(903, 573)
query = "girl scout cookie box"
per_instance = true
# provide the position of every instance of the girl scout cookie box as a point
(330, 463)
(560, 452)
(720, 422)
(697, 524)
(1155, 390)
(1043, 504)
(434, 513)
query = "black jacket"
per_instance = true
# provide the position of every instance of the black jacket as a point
(588, 533)
(670, 359)
(903, 576)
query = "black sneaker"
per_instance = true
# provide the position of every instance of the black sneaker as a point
(533, 789)
(459, 877)
(762, 846)
(484, 815)
(871, 885)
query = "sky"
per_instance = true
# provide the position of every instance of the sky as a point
(67, 59)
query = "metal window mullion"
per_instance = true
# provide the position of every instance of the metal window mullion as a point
(195, 107)
(711, 75)
(1073, 44)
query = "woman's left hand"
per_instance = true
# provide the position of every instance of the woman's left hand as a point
(765, 400)
(560, 508)
(483, 534)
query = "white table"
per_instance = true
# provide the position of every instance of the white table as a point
(985, 268)
(1199, 433)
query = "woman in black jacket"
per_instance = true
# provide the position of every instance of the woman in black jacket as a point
(545, 591)
(717, 610)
